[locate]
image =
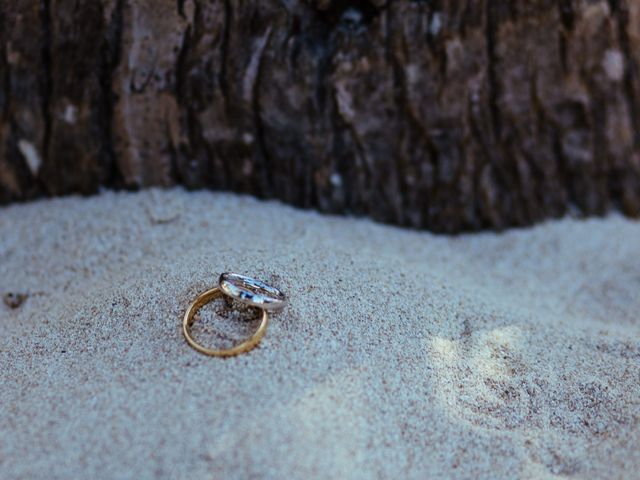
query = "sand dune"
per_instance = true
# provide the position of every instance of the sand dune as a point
(402, 354)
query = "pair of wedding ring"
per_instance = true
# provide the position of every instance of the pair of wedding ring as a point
(246, 290)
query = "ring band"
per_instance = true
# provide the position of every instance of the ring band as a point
(243, 347)
(252, 292)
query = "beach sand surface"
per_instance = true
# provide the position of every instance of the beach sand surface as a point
(401, 354)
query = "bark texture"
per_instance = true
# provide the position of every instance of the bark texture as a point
(433, 114)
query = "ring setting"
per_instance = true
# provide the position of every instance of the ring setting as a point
(246, 290)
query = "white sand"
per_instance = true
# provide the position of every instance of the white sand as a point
(402, 354)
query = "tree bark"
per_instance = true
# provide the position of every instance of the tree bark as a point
(444, 115)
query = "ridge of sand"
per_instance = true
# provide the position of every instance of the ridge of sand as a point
(402, 354)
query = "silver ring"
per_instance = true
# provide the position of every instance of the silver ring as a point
(251, 291)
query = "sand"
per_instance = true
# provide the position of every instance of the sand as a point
(402, 354)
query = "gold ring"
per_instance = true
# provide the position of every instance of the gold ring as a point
(243, 347)
(246, 290)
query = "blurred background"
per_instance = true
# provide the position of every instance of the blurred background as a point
(449, 116)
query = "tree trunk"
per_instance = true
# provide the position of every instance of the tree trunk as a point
(443, 115)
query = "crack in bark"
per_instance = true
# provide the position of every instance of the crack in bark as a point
(47, 87)
(180, 7)
(567, 19)
(492, 171)
(254, 94)
(224, 54)
(360, 152)
(567, 15)
(400, 95)
(410, 116)
(6, 67)
(4, 63)
(111, 58)
(181, 71)
(541, 122)
(490, 30)
(483, 210)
